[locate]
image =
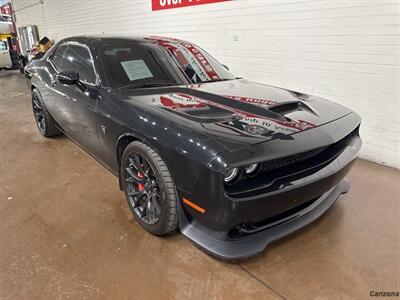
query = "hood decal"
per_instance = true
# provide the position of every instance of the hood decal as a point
(240, 122)
(259, 102)
(238, 113)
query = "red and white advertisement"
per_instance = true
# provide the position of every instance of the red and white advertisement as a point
(187, 54)
(168, 4)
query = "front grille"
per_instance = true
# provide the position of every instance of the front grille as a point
(289, 160)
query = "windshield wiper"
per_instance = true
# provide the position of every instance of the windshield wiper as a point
(147, 85)
(214, 80)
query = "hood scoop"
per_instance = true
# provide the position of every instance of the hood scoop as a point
(236, 107)
(287, 107)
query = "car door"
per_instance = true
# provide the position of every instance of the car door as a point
(75, 105)
(5, 59)
(51, 93)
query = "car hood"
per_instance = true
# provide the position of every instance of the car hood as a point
(238, 113)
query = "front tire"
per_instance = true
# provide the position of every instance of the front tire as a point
(44, 121)
(149, 189)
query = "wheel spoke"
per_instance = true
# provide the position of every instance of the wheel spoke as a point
(134, 178)
(143, 212)
(132, 163)
(36, 104)
(146, 168)
(137, 164)
(156, 205)
(136, 194)
(135, 197)
(152, 214)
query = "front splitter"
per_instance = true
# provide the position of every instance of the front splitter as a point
(256, 243)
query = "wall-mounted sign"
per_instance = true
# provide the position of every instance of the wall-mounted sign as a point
(167, 4)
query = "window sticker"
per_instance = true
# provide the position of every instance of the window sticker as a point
(136, 69)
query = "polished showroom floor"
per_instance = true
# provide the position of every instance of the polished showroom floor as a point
(66, 232)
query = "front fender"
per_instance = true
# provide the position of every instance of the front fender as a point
(184, 170)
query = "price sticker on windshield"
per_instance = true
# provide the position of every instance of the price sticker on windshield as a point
(136, 69)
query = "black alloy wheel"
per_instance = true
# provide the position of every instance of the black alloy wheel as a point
(44, 121)
(149, 188)
(142, 189)
(39, 114)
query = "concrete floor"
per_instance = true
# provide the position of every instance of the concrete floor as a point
(66, 232)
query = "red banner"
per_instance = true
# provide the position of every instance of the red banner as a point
(167, 4)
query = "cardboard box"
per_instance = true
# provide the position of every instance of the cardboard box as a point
(44, 45)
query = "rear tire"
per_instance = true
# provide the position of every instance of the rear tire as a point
(149, 187)
(44, 121)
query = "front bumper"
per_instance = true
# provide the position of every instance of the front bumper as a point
(256, 243)
(238, 227)
(237, 224)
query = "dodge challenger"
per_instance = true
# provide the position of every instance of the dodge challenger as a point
(233, 164)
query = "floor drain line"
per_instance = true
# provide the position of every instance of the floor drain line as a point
(261, 281)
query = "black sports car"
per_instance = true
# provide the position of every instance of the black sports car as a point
(234, 164)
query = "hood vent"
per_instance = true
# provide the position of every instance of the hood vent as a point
(290, 106)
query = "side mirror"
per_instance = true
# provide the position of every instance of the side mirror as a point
(226, 67)
(68, 77)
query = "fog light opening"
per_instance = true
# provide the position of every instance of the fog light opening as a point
(251, 169)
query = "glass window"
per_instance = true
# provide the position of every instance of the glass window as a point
(78, 59)
(3, 46)
(196, 63)
(5, 19)
(130, 65)
(58, 56)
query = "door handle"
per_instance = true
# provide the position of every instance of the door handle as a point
(53, 83)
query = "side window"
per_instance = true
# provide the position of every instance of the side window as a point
(3, 46)
(77, 58)
(58, 56)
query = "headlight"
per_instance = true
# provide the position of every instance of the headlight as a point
(251, 168)
(231, 174)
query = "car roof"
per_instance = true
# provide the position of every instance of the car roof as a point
(116, 38)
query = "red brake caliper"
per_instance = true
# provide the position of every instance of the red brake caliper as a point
(141, 187)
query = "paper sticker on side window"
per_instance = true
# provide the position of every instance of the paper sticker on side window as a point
(136, 69)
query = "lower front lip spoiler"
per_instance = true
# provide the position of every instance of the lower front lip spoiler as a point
(256, 243)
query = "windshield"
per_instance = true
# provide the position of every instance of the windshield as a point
(131, 65)
(168, 62)
(196, 63)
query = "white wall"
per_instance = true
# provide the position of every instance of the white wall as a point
(347, 51)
